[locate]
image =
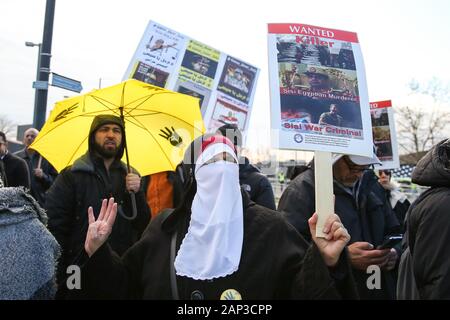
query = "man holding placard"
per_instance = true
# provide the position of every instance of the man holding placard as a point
(367, 217)
(345, 130)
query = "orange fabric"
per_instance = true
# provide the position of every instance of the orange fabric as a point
(159, 193)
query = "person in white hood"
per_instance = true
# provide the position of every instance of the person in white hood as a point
(398, 200)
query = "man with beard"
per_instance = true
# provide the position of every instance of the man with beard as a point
(97, 175)
(361, 204)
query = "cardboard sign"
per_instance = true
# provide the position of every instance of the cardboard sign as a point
(318, 90)
(224, 85)
(384, 134)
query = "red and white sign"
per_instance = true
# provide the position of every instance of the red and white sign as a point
(384, 134)
(319, 99)
(312, 32)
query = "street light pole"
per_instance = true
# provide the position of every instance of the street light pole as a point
(44, 65)
(32, 44)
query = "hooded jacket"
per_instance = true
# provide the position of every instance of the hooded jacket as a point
(85, 184)
(428, 229)
(256, 184)
(28, 250)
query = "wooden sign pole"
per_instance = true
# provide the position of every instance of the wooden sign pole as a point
(323, 175)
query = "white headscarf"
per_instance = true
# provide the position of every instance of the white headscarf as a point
(213, 244)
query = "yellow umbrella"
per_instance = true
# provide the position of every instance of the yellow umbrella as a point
(159, 125)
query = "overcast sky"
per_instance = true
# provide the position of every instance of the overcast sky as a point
(94, 39)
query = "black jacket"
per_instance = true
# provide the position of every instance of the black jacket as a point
(364, 211)
(85, 184)
(2, 175)
(273, 264)
(428, 226)
(38, 185)
(256, 184)
(16, 171)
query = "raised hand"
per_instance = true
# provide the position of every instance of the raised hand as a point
(336, 238)
(171, 135)
(100, 229)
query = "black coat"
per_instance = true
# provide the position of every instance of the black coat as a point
(86, 184)
(365, 213)
(16, 171)
(271, 266)
(428, 227)
(38, 185)
(256, 184)
(2, 175)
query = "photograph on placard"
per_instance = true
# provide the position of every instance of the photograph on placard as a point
(199, 64)
(384, 134)
(195, 90)
(318, 90)
(300, 49)
(237, 79)
(160, 48)
(151, 75)
(169, 59)
(227, 113)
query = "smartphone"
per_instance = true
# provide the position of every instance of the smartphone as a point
(390, 241)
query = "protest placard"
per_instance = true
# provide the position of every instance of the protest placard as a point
(319, 99)
(224, 85)
(318, 90)
(384, 134)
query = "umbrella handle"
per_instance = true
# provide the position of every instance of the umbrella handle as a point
(132, 195)
(39, 162)
(133, 207)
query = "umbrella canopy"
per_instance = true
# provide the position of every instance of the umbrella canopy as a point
(159, 125)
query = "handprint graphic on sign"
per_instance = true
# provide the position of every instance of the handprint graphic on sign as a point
(171, 135)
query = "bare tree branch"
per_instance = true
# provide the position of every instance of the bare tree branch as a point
(7, 126)
(420, 128)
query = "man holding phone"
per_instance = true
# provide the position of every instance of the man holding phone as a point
(362, 206)
(390, 241)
